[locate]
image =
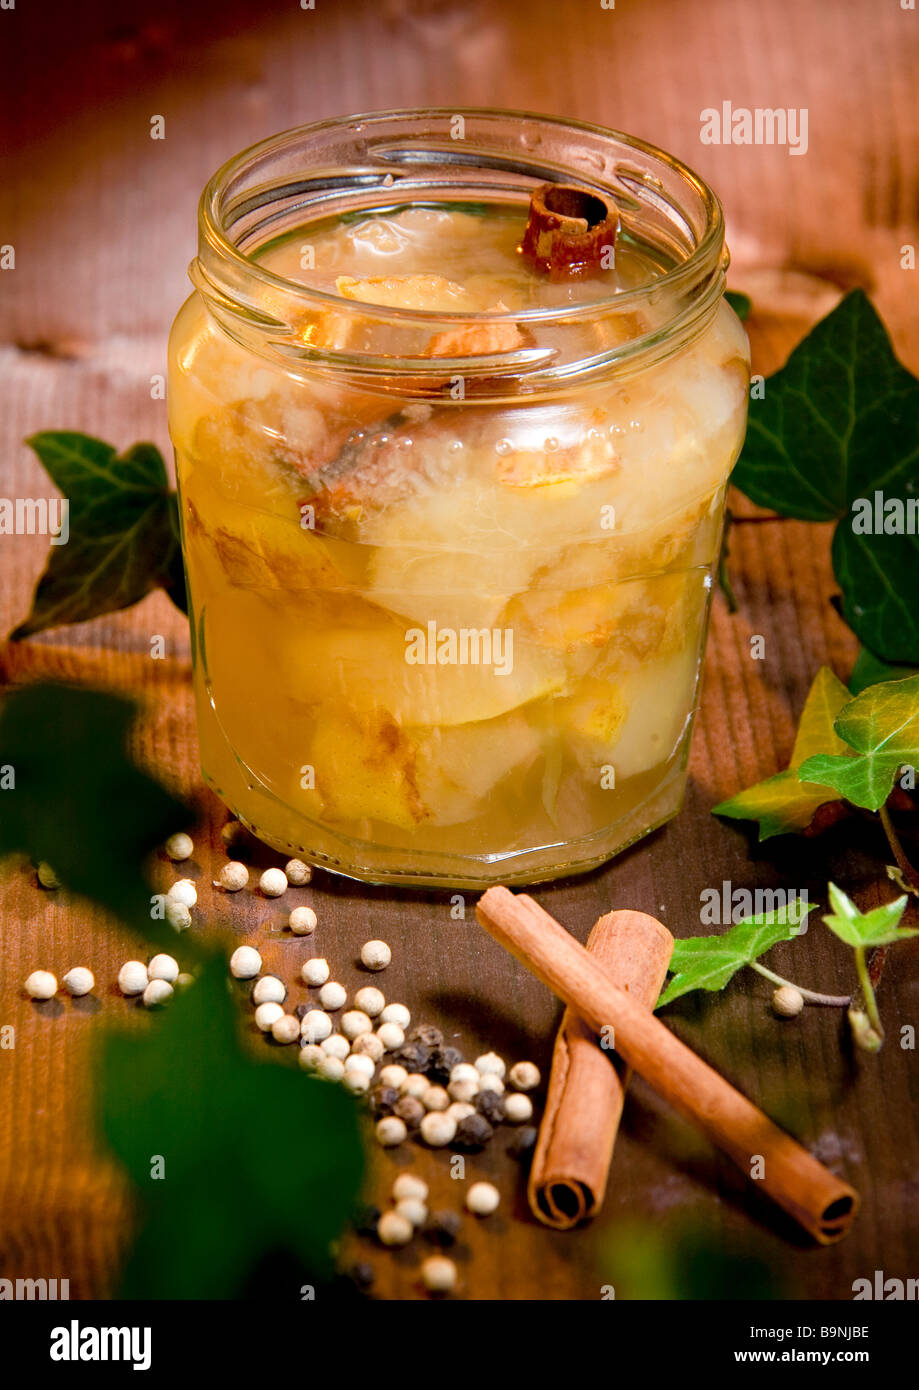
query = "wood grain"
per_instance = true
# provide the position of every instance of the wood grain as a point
(103, 222)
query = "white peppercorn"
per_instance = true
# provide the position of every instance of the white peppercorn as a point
(332, 1068)
(79, 981)
(286, 1029)
(396, 1013)
(41, 984)
(133, 977)
(178, 915)
(184, 979)
(245, 963)
(369, 1045)
(438, 1274)
(157, 993)
(316, 1026)
(355, 1022)
(358, 1065)
(163, 967)
(375, 955)
(315, 972)
(356, 1082)
(518, 1108)
(335, 1045)
(393, 1229)
(524, 1076)
(183, 891)
(333, 995)
(434, 1098)
(310, 1057)
(460, 1109)
(370, 1000)
(483, 1198)
(391, 1131)
(233, 876)
(437, 1129)
(787, 1002)
(302, 921)
(267, 1015)
(47, 877)
(491, 1082)
(464, 1071)
(407, 1185)
(391, 1036)
(179, 846)
(414, 1211)
(273, 883)
(463, 1088)
(297, 873)
(269, 990)
(415, 1084)
(393, 1075)
(490, 1064)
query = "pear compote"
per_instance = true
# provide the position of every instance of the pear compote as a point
(444, 637)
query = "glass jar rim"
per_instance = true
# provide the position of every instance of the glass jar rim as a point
(708, 249)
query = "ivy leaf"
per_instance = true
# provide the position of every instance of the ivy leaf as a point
(871, 670)
(123, 529)
(709, 962)
(879, 927)
(784, 803)
(740, 303)
(253, 1157)
(78, 802)
(838, 424)
(882, 726)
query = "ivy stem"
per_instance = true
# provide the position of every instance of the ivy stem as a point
(833, 1001)
(864, 980)
(899, 854)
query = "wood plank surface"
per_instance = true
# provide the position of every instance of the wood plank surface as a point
(103, 223)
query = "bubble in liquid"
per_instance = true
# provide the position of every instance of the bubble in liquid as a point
(455, 446)
(504, 446)
(551, 444)
(405, 442)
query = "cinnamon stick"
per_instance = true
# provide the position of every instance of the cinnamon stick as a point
(821, 1202)
(587, 1083)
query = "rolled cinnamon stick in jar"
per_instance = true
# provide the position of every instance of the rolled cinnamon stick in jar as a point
(587, 1083)
(821, 1202)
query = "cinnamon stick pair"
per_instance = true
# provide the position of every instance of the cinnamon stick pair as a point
(822, 1203)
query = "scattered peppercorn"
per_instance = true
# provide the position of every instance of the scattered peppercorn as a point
(355, 1022)
(315, 972)
(183, 891)
(41, 984)
(297, 873)
(390, 1131)
(439, 1274)
(410, 1109)
(414, 1056)
(396, 1013)
(413, 1209)
(332, 1068)
(233, 876)
(443, 1227)
(415, 1084)
(428, 1035)
(335, 1045)
(333, 995)
(302, 1010)
(310, 1054)
(157, 993)
(443, 1060)
(273, 883)
(366, 1219)
(787, 1002)
(267, 1015)
(459, 1109)
(184, 979)
(245, 963)
(524, 1076)
(393, 1075)
(391, 1036)
(393, 1229)
(359, 1065)
(269, 990)
(371, 1000)
(518, 1108)
(483, 1198)
(472, 1133)
(435, 1098)
(178, 915)
(384, 1100)
(490, 1082)
(286, 1029)
(491, 1064)
(163, 967)
(408, 1185)
(133, 977)
(523, 1142)
(179, 846)
(375, 955)
(362, 1275)
(437, 1129)
(302, 921)
(316, 1027)
(47, 877)
(491, 1105)
(79, 981)
(370, 1045)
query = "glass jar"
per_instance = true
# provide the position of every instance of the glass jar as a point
(450, 523)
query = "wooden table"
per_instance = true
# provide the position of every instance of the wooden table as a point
(102, 220)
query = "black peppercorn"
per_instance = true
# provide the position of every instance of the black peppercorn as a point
(410, 1110)
(365, 1220)
(362, 1275)
(302, 1010)
(443, 1060)
(472, 1133)
(414, 1056)
(384, 1099)
(491, 1105)
(427, 1035)
(523, 1142)
(442, 1227)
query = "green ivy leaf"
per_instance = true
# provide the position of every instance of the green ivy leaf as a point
(123, 531)
(882, 726)
(879, 927)
(839, 423)
(784, 803)
(709, 962)
(871, 670)
(78, 802)
(255, 1157)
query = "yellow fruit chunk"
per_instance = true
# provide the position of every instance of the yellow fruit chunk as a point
(365, 767)
(460, 764)
(431, 293)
